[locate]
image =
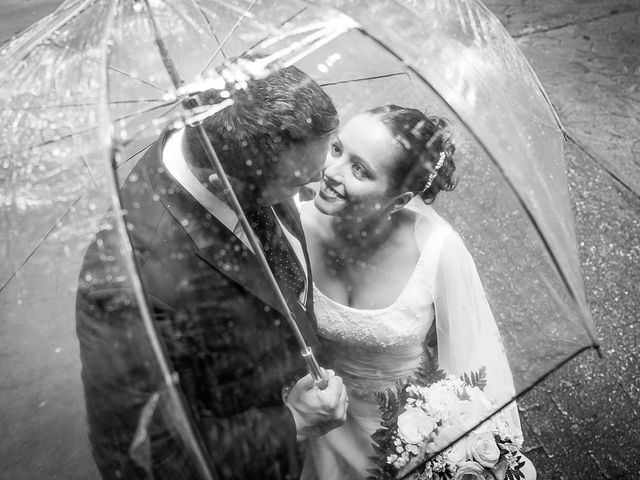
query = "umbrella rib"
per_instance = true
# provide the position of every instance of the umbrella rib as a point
(244, 15)
(84, 130)
(134, 155)
(297, 14)
(317, 36)
(39, 244)
(484, 147)
(48, 142)
(206, 19)
(282, 24)
(629, 184)
(86, 165)
(138, 134)
(182, 15)
(362, 79)
(111, 67)
(311, 27)
(233, 8)
(313, 47)
(76, 105)
(145, 110)
(317, 29)
(322, 33)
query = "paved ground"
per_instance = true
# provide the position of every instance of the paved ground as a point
(583, 421)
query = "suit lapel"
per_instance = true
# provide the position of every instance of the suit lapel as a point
(220, 248)
(215, 244)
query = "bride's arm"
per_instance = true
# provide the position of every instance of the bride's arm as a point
(467, 335)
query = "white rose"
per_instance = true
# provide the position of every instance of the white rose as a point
(469, 471)
(465, 415)
(440, 398)
(483, 449)
(456, 454)
(414, 425)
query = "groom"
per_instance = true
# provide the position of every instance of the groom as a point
(211, 303)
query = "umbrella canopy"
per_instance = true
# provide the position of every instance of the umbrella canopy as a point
(86, 90)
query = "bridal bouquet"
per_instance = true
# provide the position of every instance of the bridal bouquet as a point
(423, 416)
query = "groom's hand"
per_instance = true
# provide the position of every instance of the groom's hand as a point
(317, 411)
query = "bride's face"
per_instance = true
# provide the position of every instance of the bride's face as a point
(355, 176)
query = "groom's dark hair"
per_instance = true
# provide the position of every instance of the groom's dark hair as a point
(272, 114)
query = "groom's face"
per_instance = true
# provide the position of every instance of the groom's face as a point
(295, 167)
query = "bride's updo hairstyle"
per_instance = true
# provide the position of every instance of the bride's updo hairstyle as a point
(425, 165)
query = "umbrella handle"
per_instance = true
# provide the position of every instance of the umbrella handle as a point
(313, 367)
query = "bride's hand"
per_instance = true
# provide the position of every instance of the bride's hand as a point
(317, 411)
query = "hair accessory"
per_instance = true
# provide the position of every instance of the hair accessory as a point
(433, 174)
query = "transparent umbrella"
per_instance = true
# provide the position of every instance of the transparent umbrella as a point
(86, 91)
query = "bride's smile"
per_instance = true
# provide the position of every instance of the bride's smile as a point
(328, 193)
(355, 176)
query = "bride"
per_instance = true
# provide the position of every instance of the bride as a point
(392, 277)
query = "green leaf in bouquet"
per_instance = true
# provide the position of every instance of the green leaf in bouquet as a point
(446, 475)
(378, 436)
(476, 379)
(388, 404)
(380, 474)
(428, 372)
(515, 473)
(382, 470)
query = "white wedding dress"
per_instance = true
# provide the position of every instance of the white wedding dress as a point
(372, 349)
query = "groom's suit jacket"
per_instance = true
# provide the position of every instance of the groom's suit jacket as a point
(221, 328)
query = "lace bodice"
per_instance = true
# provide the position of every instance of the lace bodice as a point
(371, 349)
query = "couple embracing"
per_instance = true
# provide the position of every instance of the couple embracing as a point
(390, 279)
